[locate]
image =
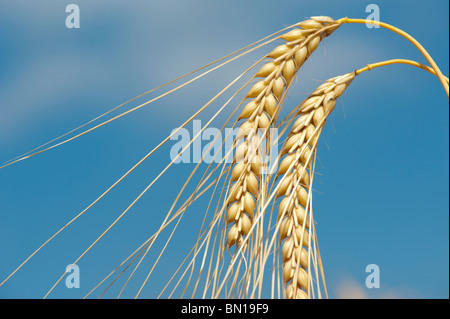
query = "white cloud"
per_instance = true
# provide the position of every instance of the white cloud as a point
(350, 288)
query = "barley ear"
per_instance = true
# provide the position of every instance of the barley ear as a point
(296, 184)
(264, 102)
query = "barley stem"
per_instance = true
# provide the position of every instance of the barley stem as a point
(399, 61)
(410, 39)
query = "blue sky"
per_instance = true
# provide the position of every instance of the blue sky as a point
(382, 191)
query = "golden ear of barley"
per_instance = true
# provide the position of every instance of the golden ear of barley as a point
(265, 95)
(295, 167)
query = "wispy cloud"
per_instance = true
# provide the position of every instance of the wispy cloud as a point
(350, 288)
